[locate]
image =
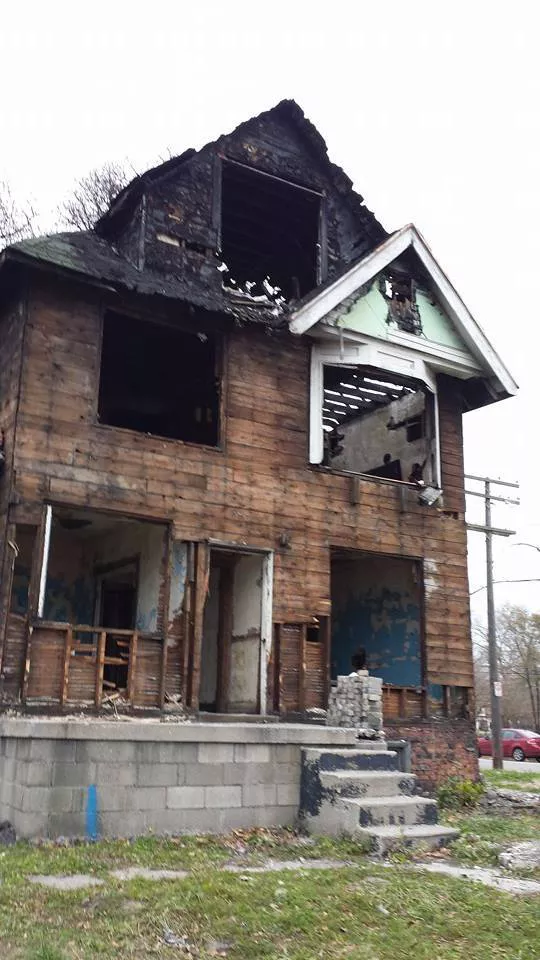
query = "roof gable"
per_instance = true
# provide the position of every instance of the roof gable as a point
(439, 321)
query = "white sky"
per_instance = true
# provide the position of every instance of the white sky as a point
(432, 108)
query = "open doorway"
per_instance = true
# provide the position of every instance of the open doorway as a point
(233, 626)
(117, 587)
(377, 622)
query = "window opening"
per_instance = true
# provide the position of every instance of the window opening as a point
(378, 424)
(269, 232)
(160, 380)
(377, 625)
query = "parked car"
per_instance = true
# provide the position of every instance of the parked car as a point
(518, 744)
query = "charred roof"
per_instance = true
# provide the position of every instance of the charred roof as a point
(265, 197)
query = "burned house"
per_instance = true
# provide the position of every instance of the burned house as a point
(232, 463)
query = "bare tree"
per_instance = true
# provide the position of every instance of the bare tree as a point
(92, 195)
(16, 223)
(518, 641)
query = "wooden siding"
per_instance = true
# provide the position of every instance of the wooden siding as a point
(11, 342)
(258, 487)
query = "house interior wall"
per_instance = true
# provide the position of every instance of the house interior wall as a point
(367, 440)
(246, 634)
(73, 570)
(209, 649)
(376, 608)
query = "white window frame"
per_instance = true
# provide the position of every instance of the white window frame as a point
(384, 357)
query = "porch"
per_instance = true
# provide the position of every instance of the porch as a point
(113, 612)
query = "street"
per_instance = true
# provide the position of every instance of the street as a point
(529, 766)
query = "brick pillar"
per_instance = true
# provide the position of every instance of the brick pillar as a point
(356, 701)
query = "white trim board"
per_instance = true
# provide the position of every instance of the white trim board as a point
(367, 269)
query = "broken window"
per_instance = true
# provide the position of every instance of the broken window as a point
(377, 423)
(399, 290)
(160, 380)
(269, 230)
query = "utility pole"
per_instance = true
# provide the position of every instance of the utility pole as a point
(494, 678)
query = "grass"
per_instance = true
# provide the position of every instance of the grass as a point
(365, 911)
(483, 836)
(513, 780)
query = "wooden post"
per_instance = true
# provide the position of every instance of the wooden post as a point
(280, 670)
(132, 667)
(166, 611)
(202, 574)
(327, 641)
(302, 669)
(403, 702)
(67, 657)
(100, 664)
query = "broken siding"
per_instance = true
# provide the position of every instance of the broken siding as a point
(368, 313)
(254, 490)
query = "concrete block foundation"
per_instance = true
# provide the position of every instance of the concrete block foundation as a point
(152, 776)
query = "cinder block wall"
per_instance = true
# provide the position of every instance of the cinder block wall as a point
(161, 778)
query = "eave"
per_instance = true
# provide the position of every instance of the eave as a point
(319, 306)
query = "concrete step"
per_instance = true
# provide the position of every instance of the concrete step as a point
(367, 783)
(372, 758)
(423, 836)
(392, 811)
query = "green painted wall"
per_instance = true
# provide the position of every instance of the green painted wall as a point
(368, 315)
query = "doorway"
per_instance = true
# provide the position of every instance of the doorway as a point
(237, 608)
(116, 606)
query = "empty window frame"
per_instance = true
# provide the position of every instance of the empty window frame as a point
(270, 228)
(377, 423)
(160, 380)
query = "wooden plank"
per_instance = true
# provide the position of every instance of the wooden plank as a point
(67, 658)
(302, 669)
(326, 628)
(202, 574)
(132, 667)
(100, 664)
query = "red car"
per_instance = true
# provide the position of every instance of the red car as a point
(518, 744)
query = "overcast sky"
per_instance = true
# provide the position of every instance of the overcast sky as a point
(432, 108)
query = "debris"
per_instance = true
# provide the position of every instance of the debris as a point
(383, 910)
(218, 948)
(524, 855)
(7, 834)
(172, 940)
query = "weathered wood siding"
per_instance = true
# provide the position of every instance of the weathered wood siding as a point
(256, 488)
(11, 341)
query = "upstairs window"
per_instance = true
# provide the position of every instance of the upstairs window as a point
(160, 380)
(376, 423)
(269, 230)
(371, 420)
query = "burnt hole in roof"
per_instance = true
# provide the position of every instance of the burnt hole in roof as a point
(269, 228)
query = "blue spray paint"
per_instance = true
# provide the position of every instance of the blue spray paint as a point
(91, 813)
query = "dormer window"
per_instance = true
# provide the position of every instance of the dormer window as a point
(270, 231)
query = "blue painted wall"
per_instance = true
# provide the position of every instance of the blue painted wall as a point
(376, 605)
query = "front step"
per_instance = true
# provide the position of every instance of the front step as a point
(362, 793)
(384, 839)
(367, 783)
(393, 811)
(375, 757)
